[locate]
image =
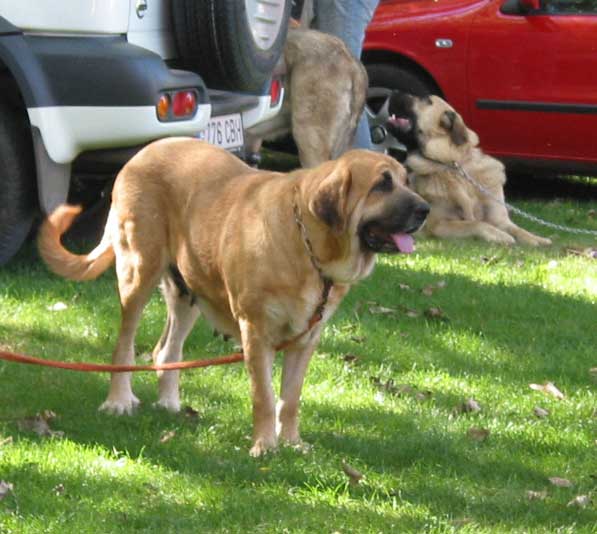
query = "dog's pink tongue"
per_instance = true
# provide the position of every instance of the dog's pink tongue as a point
(404, 242)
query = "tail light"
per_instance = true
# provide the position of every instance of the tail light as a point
(163, 107)
(184, 104)
(176, 105)
(275, 92)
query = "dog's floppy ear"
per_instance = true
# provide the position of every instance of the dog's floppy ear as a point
(329, 203)
(452, 123)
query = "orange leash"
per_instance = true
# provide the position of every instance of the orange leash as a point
(317, 316)
(105, 368)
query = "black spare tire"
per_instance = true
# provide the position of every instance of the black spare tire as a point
(233, 44)
(18, 198)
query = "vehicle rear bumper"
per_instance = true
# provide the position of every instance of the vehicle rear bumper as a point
(90, 92)
(68, 131)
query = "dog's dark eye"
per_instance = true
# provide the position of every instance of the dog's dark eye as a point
(386, 184)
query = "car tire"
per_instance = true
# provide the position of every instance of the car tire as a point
(18, 198)
(216, 39)
(395, 77)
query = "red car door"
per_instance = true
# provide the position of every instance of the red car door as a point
(532, 80)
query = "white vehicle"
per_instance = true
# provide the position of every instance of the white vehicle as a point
(84, 83)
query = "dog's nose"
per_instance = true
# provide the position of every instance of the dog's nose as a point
(421, 211)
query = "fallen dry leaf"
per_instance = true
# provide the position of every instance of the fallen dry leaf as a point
(428, 291)
(47, 415)
(5, 441)
(190, 412)
(435, 313)
(549, 388)
(469, 406)
(397, 390)
(423, 395)
(375, 380)
(381, 310)
(581, 501)
(354, 476)
(350, 358)
(561, 482)
(540, 412)
(536, 495)
(39, 425)
(477, 433)
(405, 287)
(586, 252)
(167, 436)
(5, 489)
(489, 260)
(57, 306)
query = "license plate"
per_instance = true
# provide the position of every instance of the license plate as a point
(225, 131)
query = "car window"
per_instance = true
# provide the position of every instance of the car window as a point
(570, 6)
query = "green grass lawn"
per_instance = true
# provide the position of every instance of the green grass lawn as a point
(509, 318)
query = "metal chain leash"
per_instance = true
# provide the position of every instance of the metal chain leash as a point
(513, 209)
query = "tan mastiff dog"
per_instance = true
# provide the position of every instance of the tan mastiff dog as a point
(436, 137)
(251, 250)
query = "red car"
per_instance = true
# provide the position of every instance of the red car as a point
(523, 73)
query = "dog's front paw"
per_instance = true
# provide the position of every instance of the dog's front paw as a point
(168, 403)
(120, 406)
(298, 445)
(542, 241)
(263, 445)
(499, 237)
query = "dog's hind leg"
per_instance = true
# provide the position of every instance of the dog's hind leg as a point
(182, 314)
(140, 262)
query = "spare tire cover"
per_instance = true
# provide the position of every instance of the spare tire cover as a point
(233, 44)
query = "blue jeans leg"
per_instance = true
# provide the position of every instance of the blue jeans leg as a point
(348, 19)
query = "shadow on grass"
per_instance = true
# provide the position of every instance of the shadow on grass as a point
(232, 488)
(218, 503)
(526, 323)
(540, 335)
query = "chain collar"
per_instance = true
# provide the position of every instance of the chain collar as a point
(460, 170)
(326, 282)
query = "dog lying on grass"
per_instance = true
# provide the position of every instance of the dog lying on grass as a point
(253, 251)
(436, 136)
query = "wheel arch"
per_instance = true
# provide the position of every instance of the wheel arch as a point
(387, 57)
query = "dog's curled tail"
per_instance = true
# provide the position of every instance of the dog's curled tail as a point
(65, 263)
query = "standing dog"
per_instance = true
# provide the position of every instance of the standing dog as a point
(252, 250)
(436, 136)
(325, 96)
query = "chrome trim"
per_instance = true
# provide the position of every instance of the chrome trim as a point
(444, 43)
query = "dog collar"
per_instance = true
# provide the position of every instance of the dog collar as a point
(326, 282)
